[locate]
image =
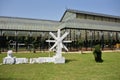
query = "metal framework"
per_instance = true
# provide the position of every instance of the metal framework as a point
(84, 32)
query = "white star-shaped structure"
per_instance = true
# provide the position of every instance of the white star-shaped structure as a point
(58, 40)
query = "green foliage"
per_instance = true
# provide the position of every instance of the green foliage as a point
(97, 50)
(79, 43)
(97, 54)
(77, 67)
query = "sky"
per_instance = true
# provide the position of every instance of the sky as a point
(54, 9)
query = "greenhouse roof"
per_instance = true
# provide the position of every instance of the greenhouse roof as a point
(27, 24)
(92, 13)
(16, 23)
(90, 24)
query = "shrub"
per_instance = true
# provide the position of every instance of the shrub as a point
(97, 54)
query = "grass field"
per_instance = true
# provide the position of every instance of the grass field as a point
(77, 67)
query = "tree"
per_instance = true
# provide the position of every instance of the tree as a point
(79, 44)
(35, 44)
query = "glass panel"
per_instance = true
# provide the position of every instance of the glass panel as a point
(22, 33)
(82, 16)
(98, 18)
(105, 19)
(10, 33)
(119, 35)
(105, 35)
(112, 20)
(90, 17)
(118, 20)
(83, 34)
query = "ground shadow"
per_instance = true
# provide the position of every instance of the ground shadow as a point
(69, 60)
(101, 61)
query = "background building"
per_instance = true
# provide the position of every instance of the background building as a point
(86, 30)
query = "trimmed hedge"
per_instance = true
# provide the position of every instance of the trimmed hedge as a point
(97, 53)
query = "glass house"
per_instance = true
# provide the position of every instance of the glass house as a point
(86, 29)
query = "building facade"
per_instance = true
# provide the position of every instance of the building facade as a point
(86, 29)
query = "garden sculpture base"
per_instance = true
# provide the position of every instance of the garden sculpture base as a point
(13, 60)
(8, 60)
(47, 60)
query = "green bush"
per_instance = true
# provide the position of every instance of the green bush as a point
(97, 54)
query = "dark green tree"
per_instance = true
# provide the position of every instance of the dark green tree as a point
(80, 43)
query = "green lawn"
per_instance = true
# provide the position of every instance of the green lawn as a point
(77, 67)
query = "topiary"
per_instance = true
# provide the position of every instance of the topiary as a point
(97, 53)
